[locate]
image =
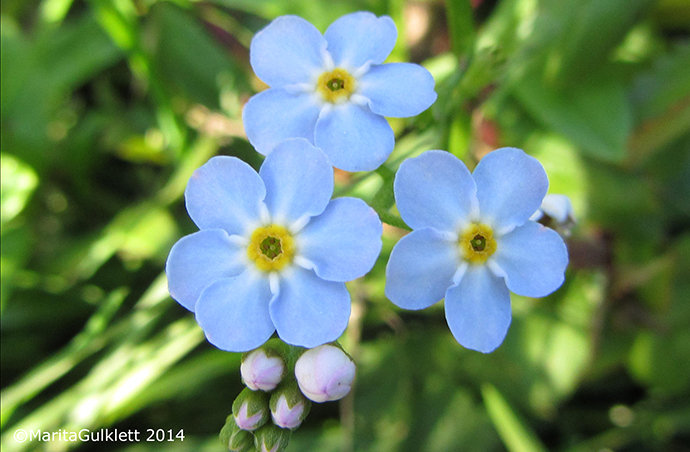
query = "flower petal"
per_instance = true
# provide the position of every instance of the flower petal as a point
(354, 138)
(299, 181)
(510, 187)
(435, 190)
(344, 241)
(233, 312)
(421, 269)
(198, 260)
(289, 50)
(309, 311)
(225, 193)
(277, 114)
(478, 309)
(533, 258)
(398, 90)
(361, 37)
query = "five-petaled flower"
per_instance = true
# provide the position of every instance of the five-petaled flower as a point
(333, 89)
(273, 251)
(472, 241)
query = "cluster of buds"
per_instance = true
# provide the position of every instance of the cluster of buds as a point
(282, 381)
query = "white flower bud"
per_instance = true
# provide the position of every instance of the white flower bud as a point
(556, 212)
(250, 409)
(286, 416)
(260, 371)
(325, 373)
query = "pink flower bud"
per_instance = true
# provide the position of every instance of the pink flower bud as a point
(285, 416)
(247, 422)
(325, 373)
(250, 409)
(260, 371)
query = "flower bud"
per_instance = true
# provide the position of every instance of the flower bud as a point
(250, 409)
(234, 438)
(262, 369)
(325, 373)
(271, 438)
(288, 406)
(556, 212)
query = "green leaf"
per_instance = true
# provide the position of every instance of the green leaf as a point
(16, 60)
(461, 26)
(661, 101)
(592, 32)
(189, 58)
(14, 254)
(516, 435)
(75, 52)
(42, 73)
(595, 114)
(661, 359)
(623, 202)
(384, 199)
(564, 167)
(155, 231)
(18, 184)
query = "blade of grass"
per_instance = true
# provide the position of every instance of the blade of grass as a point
(516, 435)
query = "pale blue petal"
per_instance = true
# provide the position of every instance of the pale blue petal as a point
(289, 50)
(435, 190)
(354, 138)
(299, 181)
(398, 90)
(510, 187)
(233, 312)
(309, 311)
(478, 309)
(198, 260)
(225, 193)
(344, 241)
(421, 269)
(534, 259)
(276, 114)
(361, 37)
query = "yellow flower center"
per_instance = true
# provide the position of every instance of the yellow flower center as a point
(271, 248)
(336, 86)
(477, 243)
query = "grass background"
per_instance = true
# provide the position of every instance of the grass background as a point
(109, 105)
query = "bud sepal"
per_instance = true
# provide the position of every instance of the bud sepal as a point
(271, 438)
(234, 438)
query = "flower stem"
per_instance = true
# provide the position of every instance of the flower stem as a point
(353, 336)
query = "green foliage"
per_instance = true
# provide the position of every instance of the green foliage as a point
(108, 106)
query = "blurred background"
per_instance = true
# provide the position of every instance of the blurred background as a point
(109, 105)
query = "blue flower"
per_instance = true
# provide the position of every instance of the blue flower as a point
(273, 250)
(472, 241)
(332, 89)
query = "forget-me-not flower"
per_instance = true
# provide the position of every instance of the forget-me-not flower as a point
(273, 251)
(332, 89)
(472, 241)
